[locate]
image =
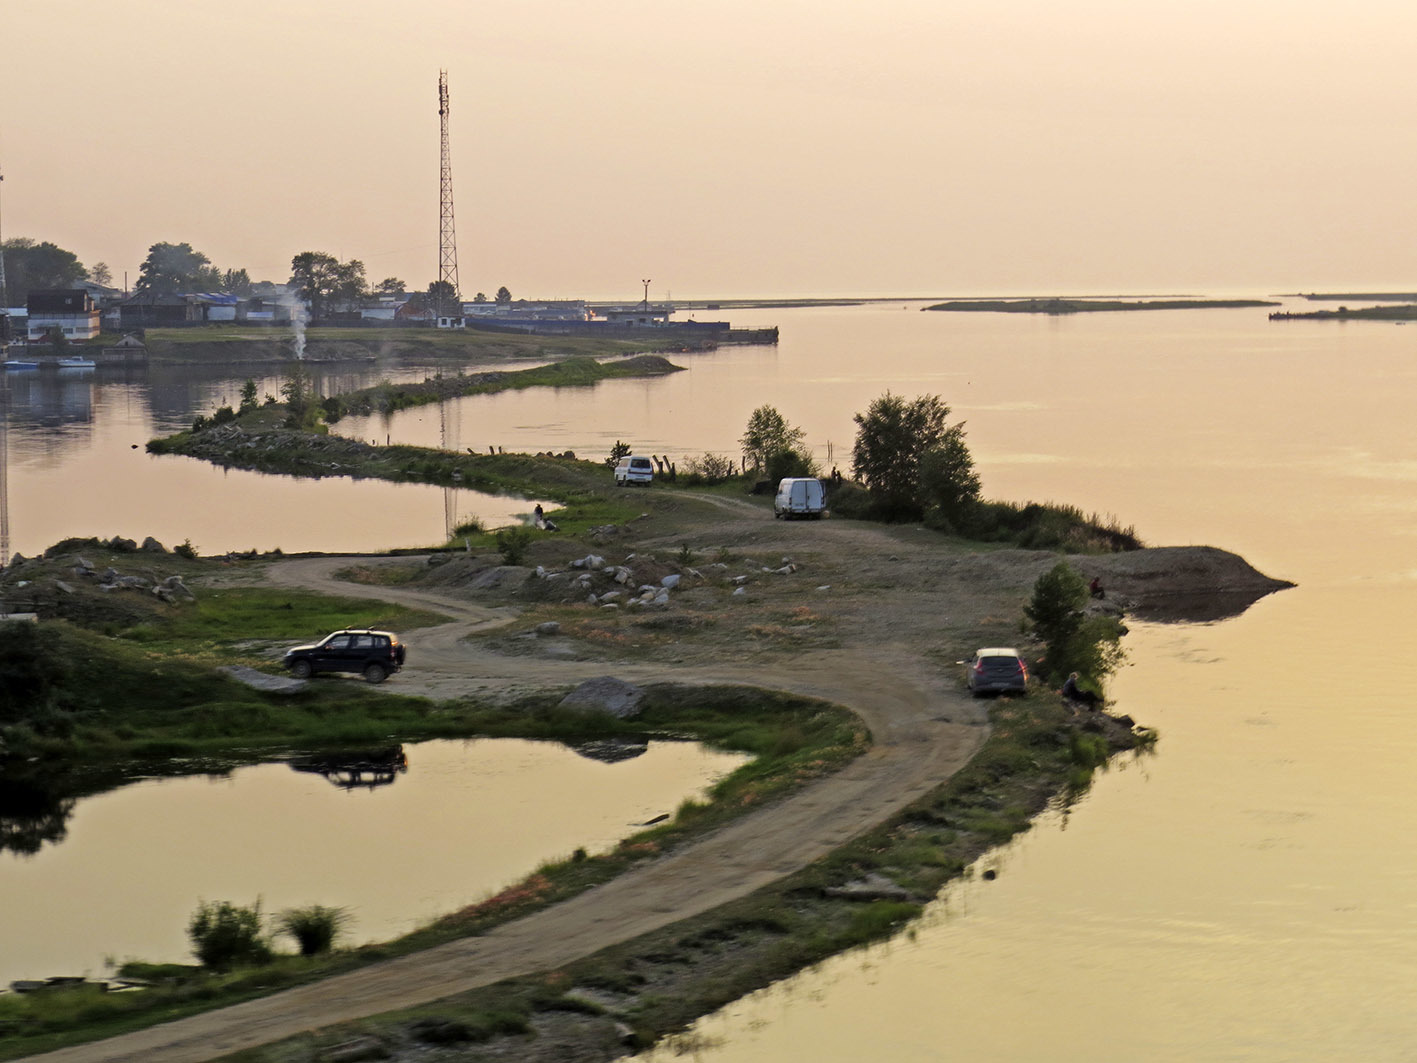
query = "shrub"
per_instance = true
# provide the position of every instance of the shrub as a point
(1073, 641)
(471, 526)
(225, 935)
(314, 927)
(512, 544)
(223, 415)
(785, 463)
(618, 451)
(186, 549)
(711, 469)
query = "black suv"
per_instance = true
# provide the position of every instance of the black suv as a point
(374, 654)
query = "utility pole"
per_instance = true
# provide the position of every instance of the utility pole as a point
(645, 282)
(447, 238)
(4, 292)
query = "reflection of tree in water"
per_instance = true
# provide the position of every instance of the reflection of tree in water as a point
(356, 769)
(611, 750)
(32, 814)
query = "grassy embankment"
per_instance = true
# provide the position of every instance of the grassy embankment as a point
(253, 345)
(1081, 306)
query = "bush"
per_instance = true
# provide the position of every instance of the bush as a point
(618, 451)
(1073, 641)
(512, 544)
(314, 927)
(789, 463)
(710, 469)
(471, 526)
(186, 549)
(851, 501)
(225, 935)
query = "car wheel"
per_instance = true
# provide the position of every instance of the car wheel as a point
(301, 669)
(374, 673)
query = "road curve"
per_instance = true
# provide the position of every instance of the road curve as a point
(924, 729)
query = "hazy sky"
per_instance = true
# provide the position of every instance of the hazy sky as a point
(729, 147)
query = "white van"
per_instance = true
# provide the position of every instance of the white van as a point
(800, 497)
(633, 470)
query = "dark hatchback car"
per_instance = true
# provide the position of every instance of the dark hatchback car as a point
(994, 670)
(373, 654)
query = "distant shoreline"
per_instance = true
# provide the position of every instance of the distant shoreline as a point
(1082, 306)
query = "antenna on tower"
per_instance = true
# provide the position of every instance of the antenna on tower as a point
(447, 238)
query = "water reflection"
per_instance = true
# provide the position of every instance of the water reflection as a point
(114, 864)
(366, 769)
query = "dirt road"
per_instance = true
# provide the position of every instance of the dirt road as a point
(924, 729)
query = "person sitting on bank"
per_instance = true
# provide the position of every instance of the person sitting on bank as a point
(1095, 588)
(1075, 693)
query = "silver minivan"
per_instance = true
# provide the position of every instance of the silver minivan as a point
(800, 496)
(633, 470)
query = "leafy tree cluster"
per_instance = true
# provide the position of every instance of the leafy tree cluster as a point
(328, 284)
(914, 465)
(31, 266)
(1073, 641)
(173, 269)
(774, 448)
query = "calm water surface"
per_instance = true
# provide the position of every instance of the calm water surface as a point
(465, 819)
(1248, 892)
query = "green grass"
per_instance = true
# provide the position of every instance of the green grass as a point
(823, 737)
(221, 618)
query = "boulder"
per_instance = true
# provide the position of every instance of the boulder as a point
(606, 694)
(669, 582)
(550, 627)
(177, 588)
(152, 546)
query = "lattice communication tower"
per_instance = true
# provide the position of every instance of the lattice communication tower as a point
(447, 237)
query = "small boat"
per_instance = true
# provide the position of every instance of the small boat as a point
(12, 364)
(76, 363)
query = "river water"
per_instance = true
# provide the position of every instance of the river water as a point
(1246, 893)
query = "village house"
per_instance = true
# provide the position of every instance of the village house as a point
(67, 312)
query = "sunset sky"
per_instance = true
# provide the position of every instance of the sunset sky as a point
(729, 147)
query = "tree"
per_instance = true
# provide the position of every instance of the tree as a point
(389, 286)
(347, 289)
(503, 295)
(442, 297)
(314, 275)
(249, 399)
(891, 439)
(99, 273)
(236, 282)
(173, 268)
(30, 266)
(1072, 640)
(948, 482)
(767, 434)
(480, 297)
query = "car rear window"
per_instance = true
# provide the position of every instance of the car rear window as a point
(640, 463)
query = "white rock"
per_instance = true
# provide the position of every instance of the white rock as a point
(740, 590)
(825, 587)
(578, 563)
(669, 582)
(594, 561)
